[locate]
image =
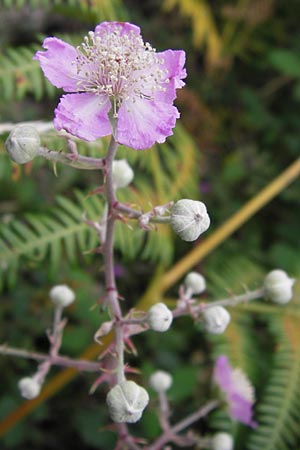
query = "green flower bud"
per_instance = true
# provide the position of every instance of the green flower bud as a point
(189, 219)
(122, 173)
(222, 441)
(23, 143)
(195, 282)
(216, 319)
(278, 286)
(159, 317)
(29, 388)
(160, 381)
(126, 402)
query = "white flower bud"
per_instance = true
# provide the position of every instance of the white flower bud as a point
(159, 317)
(216, 319)
(195, 282)
(62, 295)
(222, 441)
(189, 219)
(122, 173)
(23, 143)
(126, 402)
(29, 388)
(278, 286)
(160, 381)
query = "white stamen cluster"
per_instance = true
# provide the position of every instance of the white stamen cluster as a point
(242, 385)
(119, 65)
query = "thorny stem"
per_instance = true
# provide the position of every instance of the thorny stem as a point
(111, 290)
(62, 361)
(197, 309)
(164, 411)
(126, 437)
(78, 161)
(170, 434)
(135, 214)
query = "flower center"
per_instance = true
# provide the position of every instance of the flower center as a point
(120, 66)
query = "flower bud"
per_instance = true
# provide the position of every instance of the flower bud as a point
(195, 282)
(122, 173)
(62, 295)
(278, 286)
(222, 441)
(189, 219)
(29, 388)
(160, 381)
(23, 143)
(126, 402)
(159, 317)
(216, 319)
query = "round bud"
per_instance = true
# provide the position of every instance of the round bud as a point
(126, 402)
(159, 317)
(122, 173)
(23, 143)
(216, 319)
(62, 295)
(29, 388)
(278, 286)
(222, 441)
(195, 282)
(160, 381)
(189, 219)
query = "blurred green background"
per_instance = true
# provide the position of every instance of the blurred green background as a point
(239, 129)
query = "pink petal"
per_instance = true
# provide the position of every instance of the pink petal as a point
(143, 122)
(222, 373)
(174, 61)
(241, 410)
(56, 63)
(109, 27)
(83, 115)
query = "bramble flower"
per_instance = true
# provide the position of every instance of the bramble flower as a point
(116, 84)
(238, 391)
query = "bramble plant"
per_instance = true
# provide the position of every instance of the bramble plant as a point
(117, 85)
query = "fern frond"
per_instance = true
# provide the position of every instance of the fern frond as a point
(204, 28)
(20, 74)
(101, 9)
(45, 235)
(278, 411)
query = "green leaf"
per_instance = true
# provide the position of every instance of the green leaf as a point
(285, 61)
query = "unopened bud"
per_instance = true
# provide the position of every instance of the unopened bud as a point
(126, 402)
(278, 286)
(122, 173)
(23, 143)
(160, 381)
(216, 319)
(222, 441)
(195, 282)
(159, 317)
(189, 219)
(29, 388)
(62, 295)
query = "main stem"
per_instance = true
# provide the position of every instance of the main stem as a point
(110, 282)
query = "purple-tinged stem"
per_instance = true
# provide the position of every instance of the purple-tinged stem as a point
(199, 308)
(110, 282)
(78, 162)
(62, 361)
(170, 434)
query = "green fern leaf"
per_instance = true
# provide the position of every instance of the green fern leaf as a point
(278, 411)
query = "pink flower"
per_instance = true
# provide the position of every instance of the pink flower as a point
(238, 391)
(116, 84)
